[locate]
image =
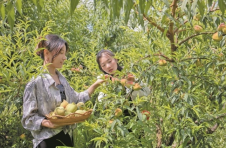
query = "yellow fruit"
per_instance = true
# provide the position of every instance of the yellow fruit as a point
(123, 82)
(79, 113)
(217, 38)
(136, 87)
(110, 121)
(59, 111)
(118, 112)
(71, 107)
(80, 105)
(22, 136)
(198, 28)
(162, 62)
(221, 27)
(64, 103)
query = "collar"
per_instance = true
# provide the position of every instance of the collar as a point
(48, 80)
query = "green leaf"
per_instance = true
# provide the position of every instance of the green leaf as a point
(11, 15)
(166, 2)
(210, 3)
(128, 7)
(222, 5)
(147, 7)
(201, 6)
(142, 6)
(19, 6)
(2, 10)
(73, 5)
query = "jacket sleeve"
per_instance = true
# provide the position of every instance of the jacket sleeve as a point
(31, 119)
(79, 97)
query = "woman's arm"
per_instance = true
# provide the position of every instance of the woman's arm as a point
(92, 88)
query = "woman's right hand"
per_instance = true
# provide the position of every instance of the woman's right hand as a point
(49, 124)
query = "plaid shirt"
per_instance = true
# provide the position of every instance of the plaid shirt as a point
(41, 96)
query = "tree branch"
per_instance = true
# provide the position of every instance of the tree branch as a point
(153, 23)
(159, 136)
(162, 55)
(194, 36)
(180, 26)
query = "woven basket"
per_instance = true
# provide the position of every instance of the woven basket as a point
(69, 119)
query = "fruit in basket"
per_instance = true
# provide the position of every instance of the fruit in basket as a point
(64, 103)
(59, 111)
(80, 106)
(71, 107)
(79, 112)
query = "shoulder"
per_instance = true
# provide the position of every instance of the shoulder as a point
(33, 82)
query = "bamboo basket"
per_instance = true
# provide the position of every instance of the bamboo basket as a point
(69, 119)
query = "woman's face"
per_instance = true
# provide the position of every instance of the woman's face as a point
(108, 63)
(58, 61)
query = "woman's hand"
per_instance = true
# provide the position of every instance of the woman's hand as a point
(49, 124)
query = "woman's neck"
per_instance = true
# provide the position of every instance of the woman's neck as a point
(51, 70)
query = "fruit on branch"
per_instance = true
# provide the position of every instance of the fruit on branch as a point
(77, 70)
(198, 28)
(64, 103)
(59, 111)
(71, 107)
(197, 17)
(23, 136)
(80, 106)
(80, 67)
(147, 113)
(111, 121)
(217, 38)
(123, 82)
(118, 112)
(162, 62)
(222, 27)
(130, 77)
(136, 86)
(129, 83)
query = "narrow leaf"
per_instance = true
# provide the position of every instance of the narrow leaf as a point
(222, 5)
(19, 6)
(2, 9)
(74, 4)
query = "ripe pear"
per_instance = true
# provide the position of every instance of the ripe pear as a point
(162, 62)
(137, 86)
(59, 111)
(118, 112)
(217, 38)
(71, 107)
(123, 82)
(80, 106)
(64, 103)
(198, 28)
(221, 26)
(79, 113)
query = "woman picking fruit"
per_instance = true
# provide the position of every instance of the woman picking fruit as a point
(44, 93)
(109, 65)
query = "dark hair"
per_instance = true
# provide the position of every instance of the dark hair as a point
(108, 52)
(52, 43)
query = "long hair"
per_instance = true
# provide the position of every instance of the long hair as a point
(108, 52)
(53, 43)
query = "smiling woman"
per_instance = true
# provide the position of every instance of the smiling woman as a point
(46, 92)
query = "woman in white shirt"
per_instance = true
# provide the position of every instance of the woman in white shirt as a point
(46, 92)
(109, 65)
